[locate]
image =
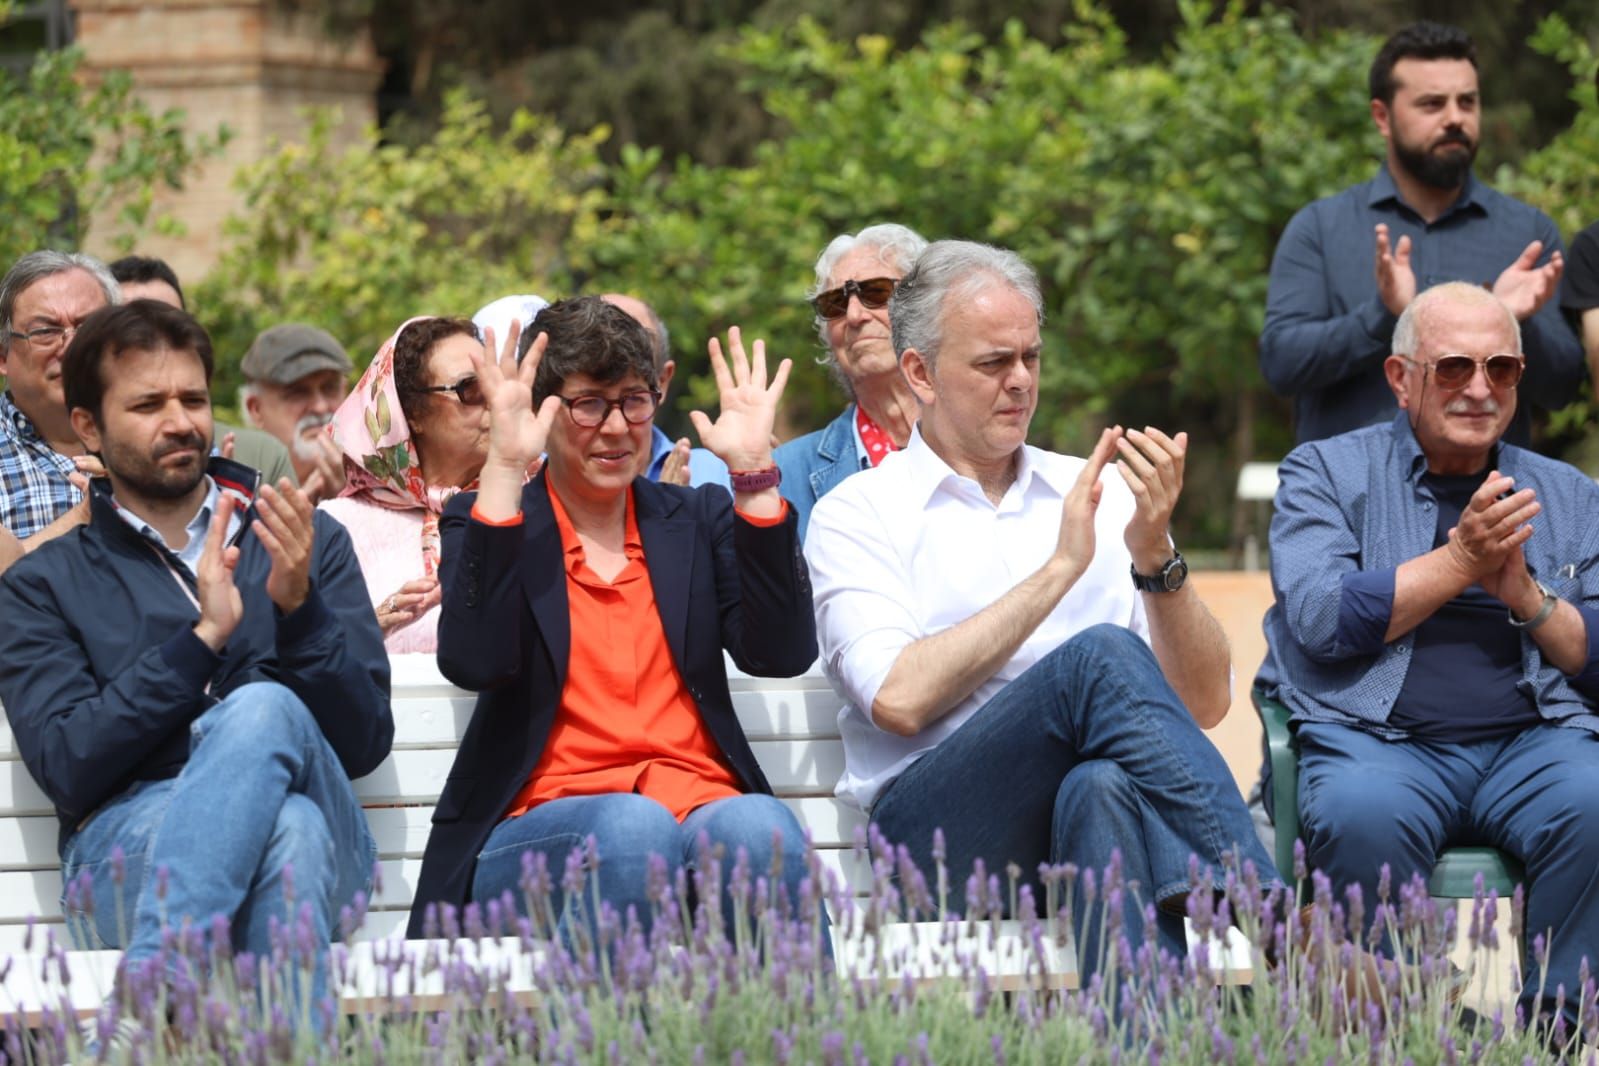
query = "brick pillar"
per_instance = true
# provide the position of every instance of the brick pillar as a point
(245, 63)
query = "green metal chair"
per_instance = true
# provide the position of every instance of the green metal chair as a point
(1456, 873)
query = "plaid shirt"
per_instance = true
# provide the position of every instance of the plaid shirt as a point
(34, 490)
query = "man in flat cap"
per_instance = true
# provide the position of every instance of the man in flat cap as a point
(296, 375)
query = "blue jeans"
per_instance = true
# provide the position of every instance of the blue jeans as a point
(628, 829)
(1087, 752)
(260, 822)
(1365, 801)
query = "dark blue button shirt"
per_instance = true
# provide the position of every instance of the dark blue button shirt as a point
(1327, 331)
(1349, 511)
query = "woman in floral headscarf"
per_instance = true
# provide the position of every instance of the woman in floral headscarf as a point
(414, 433)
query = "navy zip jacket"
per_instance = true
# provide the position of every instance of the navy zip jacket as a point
(720, 583)
(101, 673)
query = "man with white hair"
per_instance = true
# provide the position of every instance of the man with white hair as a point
(855, 277)
(44, 297)
(1436, 635)
(1023, 665)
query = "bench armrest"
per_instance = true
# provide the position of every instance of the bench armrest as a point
(1283, 751)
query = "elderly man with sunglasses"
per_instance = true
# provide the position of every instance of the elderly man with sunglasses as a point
(1436, 634)
(855, 276)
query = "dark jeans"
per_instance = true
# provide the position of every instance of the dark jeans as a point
(1088, 752)
(1365, 801)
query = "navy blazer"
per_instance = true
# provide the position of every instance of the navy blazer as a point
(505, 632)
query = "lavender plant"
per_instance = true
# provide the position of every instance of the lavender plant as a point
(560, 977)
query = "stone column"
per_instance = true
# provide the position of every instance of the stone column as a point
(244, 63)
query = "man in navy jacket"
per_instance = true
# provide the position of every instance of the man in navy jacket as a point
(194, 677)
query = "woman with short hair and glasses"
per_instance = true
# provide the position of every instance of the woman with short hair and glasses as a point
(591, 607)
(855, 279)
(414, 432)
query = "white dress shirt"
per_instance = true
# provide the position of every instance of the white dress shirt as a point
(910, 548)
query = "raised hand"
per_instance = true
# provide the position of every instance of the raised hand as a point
(1075, 547)
(1396, 281)
(284, 526)
(1524, 286)
(1490, 528)
(741, 436)
(221, 606)
(1152, 465)
(408, 603)
(516, 433)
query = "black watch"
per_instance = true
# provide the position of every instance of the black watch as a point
(1171, 577)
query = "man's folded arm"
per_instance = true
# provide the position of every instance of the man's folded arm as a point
(79, 739)
(868, 636)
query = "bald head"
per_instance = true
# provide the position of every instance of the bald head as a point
(1438, 303)
(645, 315)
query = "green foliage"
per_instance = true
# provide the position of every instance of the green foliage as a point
(360, 241)
(68, 149)
(1149, 196)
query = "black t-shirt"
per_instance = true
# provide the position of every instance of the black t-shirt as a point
(1464, 681)
(1579, 286)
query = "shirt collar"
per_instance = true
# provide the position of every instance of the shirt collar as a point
(196, 527)
(1384, 191)
(1414, 460)
(927, 473)
(572, 545)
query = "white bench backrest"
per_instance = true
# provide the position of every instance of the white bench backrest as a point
(792, 725)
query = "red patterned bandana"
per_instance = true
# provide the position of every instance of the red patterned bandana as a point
(878, 442)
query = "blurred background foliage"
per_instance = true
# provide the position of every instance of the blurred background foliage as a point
(1144, 155)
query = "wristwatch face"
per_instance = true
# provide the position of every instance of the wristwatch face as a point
(1174, 574)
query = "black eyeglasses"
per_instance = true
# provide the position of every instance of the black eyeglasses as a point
(590, 411)
(467, 390)
(873, 293)
(1454, 372)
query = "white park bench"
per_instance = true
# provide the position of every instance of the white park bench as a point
(792, 727)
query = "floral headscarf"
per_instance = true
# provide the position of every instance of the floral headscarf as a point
(380, 460)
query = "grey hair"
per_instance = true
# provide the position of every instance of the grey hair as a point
(36, 266)
(897, 246)
(916, 312)
(246, 392)
(1407, 332)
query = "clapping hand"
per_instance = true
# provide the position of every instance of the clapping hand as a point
(221, 606)
(1494, 523)
(285, 527)
(1152, 465)
(1075, 546)
(1524, 286)
(741, 436)
(1396, 281)
(408, 603)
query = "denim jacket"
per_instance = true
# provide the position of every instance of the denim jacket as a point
(1349, 511)
(814, 464)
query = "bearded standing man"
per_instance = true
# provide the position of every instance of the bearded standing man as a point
(1348, 265)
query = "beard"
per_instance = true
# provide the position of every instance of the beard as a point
(146, 476)
(1443, 165)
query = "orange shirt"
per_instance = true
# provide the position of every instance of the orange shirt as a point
(626, 721)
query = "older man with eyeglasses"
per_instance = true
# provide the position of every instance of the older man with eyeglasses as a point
(1436, 636)
(43, 298)
(855, 276)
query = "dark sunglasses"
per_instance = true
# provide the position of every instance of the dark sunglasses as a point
(1453, 372)
(873, 293)
(467, 390)
(590, 411)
